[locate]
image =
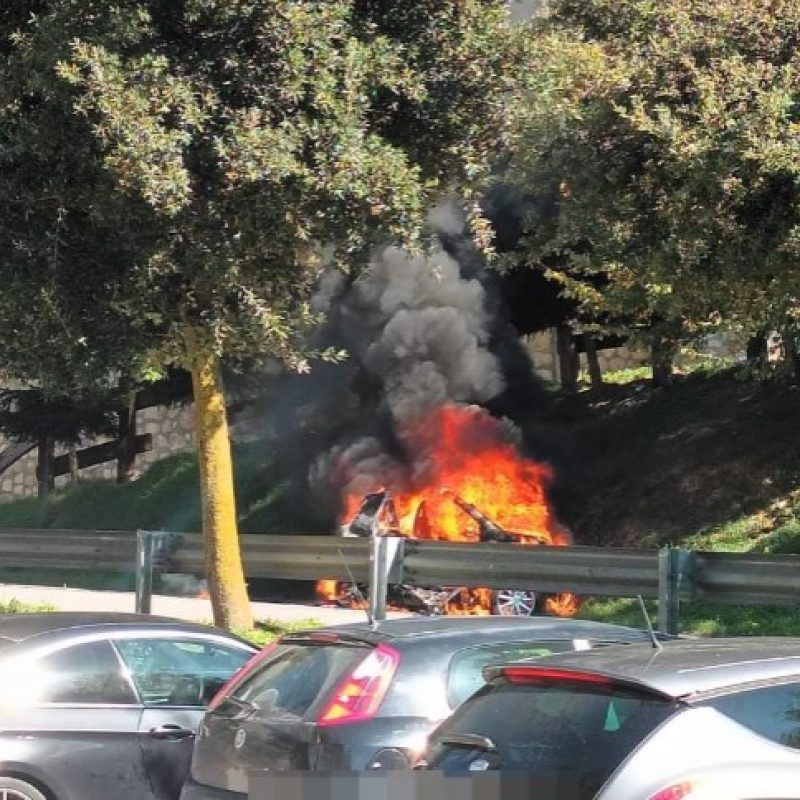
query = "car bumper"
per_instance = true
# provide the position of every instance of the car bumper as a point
(195, 791)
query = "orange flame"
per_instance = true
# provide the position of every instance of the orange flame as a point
(327, 591)
(565, 604)
(464, 451)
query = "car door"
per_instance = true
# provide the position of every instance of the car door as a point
(73, 717)
(175, 677)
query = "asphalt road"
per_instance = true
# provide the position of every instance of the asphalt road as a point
(189, 608)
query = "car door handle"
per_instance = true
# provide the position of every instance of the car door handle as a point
(170, 732)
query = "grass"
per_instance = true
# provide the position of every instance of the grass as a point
(14, 606)
(167, 497)
(621, 377)
(701, 619)
(268, 630)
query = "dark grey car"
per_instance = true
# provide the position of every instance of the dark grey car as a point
(105, 706)
(635, 723)
(353, 697)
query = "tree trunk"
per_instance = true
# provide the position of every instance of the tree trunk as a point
(44, 468)
(757, 349)
(74, 469)
(126, 434)
(224, 570)
(595, 373)
(661, 354)
(567, 358)
(792, 355)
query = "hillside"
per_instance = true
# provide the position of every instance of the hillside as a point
(711, 461)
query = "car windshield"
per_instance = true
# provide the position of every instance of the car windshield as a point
(578, 733)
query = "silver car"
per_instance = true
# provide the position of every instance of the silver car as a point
(633, 723)
(750, 781)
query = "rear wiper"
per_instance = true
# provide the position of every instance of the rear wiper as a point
(472, 740)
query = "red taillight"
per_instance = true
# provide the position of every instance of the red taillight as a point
(675, 792)
(537, 675)
(240, 675)
(359, 696)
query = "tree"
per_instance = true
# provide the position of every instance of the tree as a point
(665, 138)
(230, 144)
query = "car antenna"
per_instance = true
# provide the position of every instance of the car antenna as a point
(650, 630)
(357, 591)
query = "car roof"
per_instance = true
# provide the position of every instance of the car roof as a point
(19, 627)
(407, 630)
(682, 668)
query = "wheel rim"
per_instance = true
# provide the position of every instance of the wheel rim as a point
(14, 794)
(515, 603)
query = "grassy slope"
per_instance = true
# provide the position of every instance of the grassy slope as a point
(167, 497)
(713, 462)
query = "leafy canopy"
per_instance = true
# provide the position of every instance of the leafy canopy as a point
(662, 141)
(168, 165)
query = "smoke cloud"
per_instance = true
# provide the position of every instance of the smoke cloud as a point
(418, 333)
(428, 337)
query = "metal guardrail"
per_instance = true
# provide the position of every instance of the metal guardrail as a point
(671, 575)
(584, 570)
(52, 548)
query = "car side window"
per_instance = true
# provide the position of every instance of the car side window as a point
(179, 672)
(84, 673)
(465, 675)
(772, 711)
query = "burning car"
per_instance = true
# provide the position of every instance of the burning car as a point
(378, 516)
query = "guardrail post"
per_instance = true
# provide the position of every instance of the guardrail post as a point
(385, 563)
(145, 549)
(671, 566)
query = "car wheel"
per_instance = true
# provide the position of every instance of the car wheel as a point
(15, 789)
(514, 603)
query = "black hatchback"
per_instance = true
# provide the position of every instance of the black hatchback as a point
(354, 697)
(97, 706)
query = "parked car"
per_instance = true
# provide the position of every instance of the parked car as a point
(105, 706)
(357, 697)
(632, 723)
(749, 781)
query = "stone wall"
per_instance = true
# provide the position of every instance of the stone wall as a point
(543, 352)
(171, 431)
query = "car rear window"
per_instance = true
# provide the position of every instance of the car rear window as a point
(465, 675)
(770, 711)
(554, 731)
(294, 676)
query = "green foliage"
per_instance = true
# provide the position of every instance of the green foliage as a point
(30, 414)
(166, 167)
(784, 539)
(627, 375)
(14, 606)
(661, 139)
(268, 630)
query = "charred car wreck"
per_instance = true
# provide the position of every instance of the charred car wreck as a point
(378, 516)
